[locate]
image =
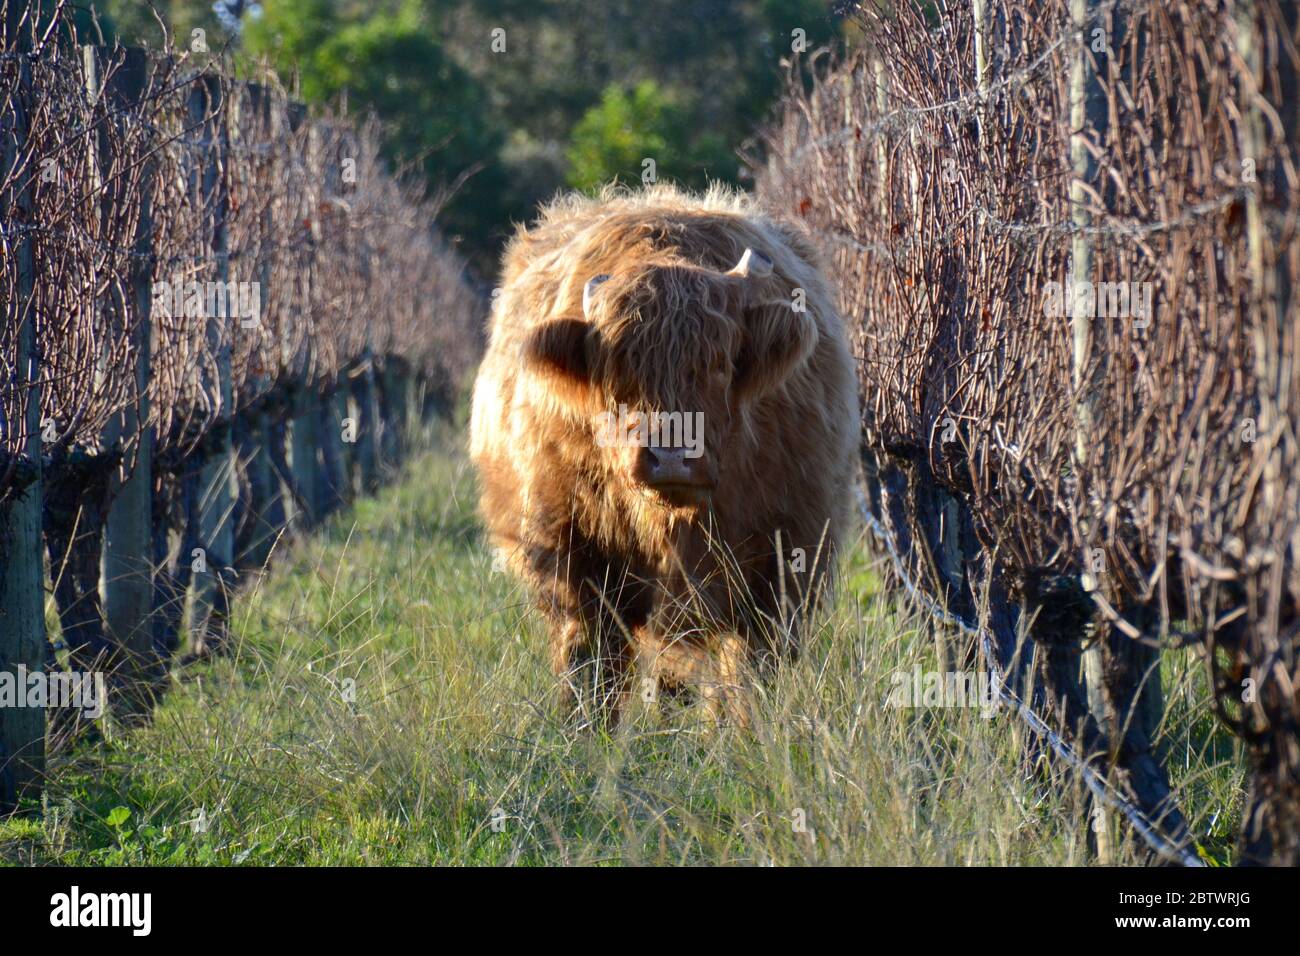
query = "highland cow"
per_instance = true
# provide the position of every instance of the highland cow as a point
(664, 426)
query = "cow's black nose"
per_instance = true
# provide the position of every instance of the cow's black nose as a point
(661, 467)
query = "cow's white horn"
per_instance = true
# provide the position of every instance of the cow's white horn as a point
(752, 263)
(588, 290)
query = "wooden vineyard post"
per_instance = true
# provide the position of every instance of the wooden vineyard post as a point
(333, 478)
(266, 516)
(207, 113)
(22, 592)
(304, 428)
(127, 552)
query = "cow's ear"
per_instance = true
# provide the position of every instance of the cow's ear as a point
(560, 352)
(777, 340)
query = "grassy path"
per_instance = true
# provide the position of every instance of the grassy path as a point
(388, 704)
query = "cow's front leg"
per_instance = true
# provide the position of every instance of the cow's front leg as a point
(715, 672)
(728, 693)
(593, 661)
(587, 598)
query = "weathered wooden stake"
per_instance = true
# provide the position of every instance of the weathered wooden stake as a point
(333, 469)
(216, 504)
(366, 397)
(304, 444)
(304, 428)
(127, 551)
(1085, 110)
(266, 513)
(22, 594)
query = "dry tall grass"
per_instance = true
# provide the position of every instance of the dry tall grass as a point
(446, 749)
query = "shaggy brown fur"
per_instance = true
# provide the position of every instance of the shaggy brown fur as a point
(694, 589)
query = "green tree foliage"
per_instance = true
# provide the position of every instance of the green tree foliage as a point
(573, 81)
(393, 65)
(288, 33)
(89, 24)
(572, 93)
(436, 115)
(133, 22)
(615, 138)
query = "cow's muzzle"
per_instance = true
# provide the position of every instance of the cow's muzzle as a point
(680, 480)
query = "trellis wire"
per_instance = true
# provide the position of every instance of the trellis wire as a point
(1100, 788)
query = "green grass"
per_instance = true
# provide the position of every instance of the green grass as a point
(389, 700)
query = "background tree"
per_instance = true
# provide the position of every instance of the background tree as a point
(614, 138)
(436, 115)
(573, 93)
